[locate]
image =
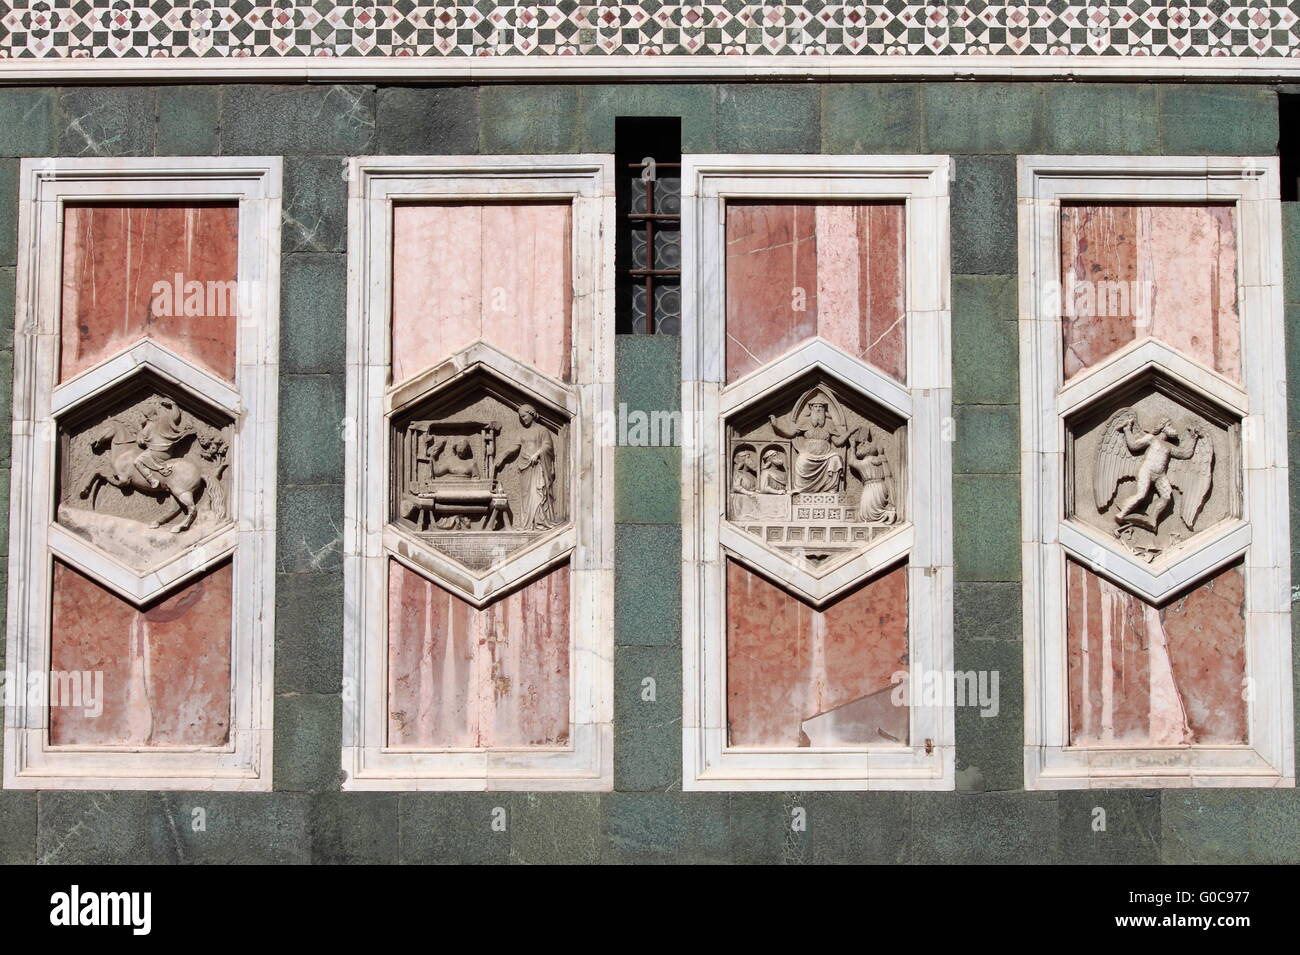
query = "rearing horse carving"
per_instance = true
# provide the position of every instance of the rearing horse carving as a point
(138, 461)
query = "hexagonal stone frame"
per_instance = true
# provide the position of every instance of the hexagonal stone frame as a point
(553, 547)
(117, 374)
(1206, 551)
(818, 588)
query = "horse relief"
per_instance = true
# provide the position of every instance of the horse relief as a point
(149, 465)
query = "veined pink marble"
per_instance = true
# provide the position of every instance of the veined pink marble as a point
(465, 678)
(166, 669)
(496, 271)
(796, 270)
(117, 259)
(787, 663)
(1166, 271)
(1165, 676)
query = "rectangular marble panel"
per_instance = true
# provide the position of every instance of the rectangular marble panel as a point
(1156, 676)
(166, 667)
(500, 272)
(161, 271)
(459, 677)
(1130, 271)
(799, 677)
(796, 270)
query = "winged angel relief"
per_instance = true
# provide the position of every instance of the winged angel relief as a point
(1156, 462)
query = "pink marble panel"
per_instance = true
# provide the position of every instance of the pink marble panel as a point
(796, 270)
(166, 668)
(459, 677)
(165, 272)
(1156, 676)
(496, 271)
(788, 663)
(1165, 271)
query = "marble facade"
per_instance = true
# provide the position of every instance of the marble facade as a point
(817, 545)
(479, 573)
(1156, 547)
(817, 552)
(143, 538)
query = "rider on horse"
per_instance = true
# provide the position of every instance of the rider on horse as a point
(159, 433)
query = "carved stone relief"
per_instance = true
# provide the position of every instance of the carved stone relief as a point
(816, 472)
(1153, 467)
(144, 473)
(481, 471)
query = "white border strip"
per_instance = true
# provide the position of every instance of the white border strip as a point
(538, 69)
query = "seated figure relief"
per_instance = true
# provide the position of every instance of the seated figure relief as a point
(818, 466)
(815, 477)
(481, 476)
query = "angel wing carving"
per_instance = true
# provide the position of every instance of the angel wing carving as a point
(1113, 461)
(1194, 475)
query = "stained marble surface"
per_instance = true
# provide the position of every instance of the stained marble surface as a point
(460, 677)
(788, 663)
(112, 257)
(796, 270)
(1130, 271)
(166, 667)
(1156, 676)
(501, 272)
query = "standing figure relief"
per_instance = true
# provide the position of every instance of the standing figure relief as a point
(480, 477)
(535, 450)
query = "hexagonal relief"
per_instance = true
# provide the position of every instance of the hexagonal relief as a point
(1153, 465)
(144, 471)
(480, 470)
(817, 471)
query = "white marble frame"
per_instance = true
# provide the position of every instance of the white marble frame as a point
(1251, 184)
(586, 763)
(696, 68)
(45, 186)
(926, 761)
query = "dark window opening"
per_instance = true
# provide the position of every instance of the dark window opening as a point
(1288, 144)
(648, 253)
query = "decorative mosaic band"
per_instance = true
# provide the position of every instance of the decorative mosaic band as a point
(464, 28)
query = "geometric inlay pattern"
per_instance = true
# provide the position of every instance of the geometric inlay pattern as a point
(465, 28)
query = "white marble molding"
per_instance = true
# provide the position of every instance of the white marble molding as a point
(1261, 536)
(926, 760)
(586, 182)
(696, 68)
(244, 763)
